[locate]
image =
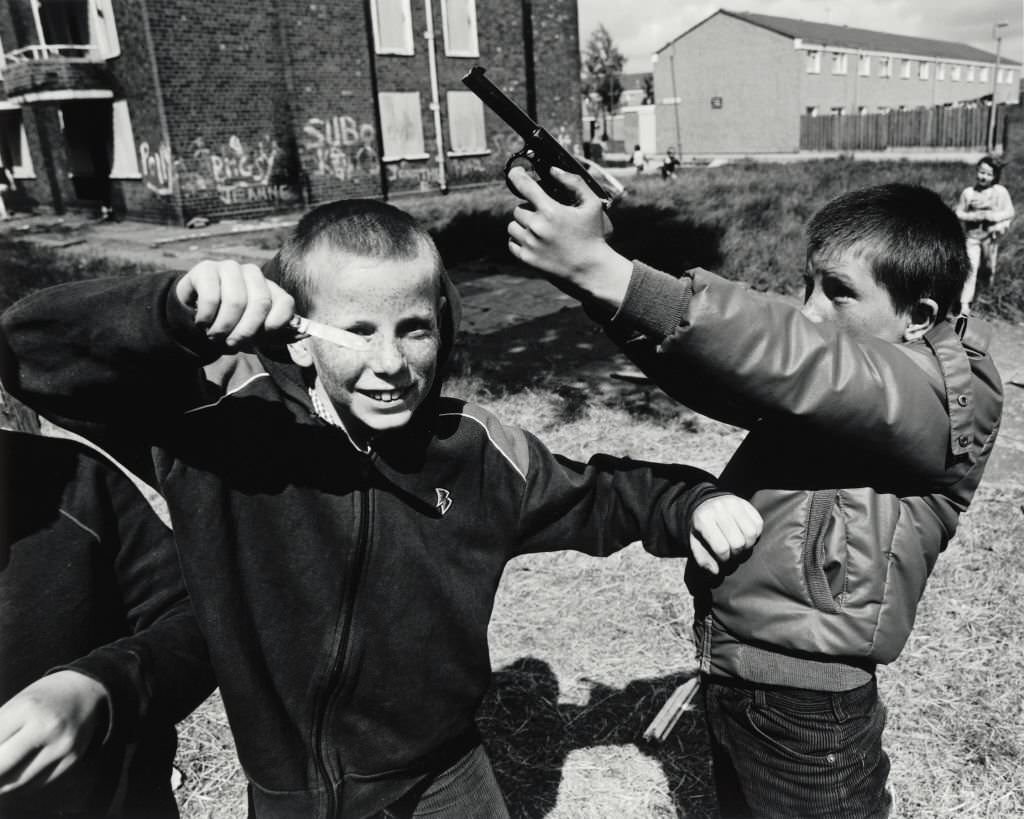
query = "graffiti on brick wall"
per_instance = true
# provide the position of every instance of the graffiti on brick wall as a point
(237, 172)
(241, 173)
(339, 147)
(157, 168)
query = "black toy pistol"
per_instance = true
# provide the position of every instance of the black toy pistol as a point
(541, 150)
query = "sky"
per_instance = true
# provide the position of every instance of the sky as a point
(638, 35)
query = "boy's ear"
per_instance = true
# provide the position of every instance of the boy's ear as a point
(923, 316)
(300, 353)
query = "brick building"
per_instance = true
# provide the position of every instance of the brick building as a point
(169, 109)
(739, 83)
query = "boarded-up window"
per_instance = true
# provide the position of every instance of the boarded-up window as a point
(466, 123)
(392, 26)
(459, 18)
(401, 125)
(125, 164)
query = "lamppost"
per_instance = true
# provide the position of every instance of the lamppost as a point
(995, 87)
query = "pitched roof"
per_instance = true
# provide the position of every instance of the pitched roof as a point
(825, 34)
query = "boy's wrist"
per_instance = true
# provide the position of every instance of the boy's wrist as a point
(605, 278)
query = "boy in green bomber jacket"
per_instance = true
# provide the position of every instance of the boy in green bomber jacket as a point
(870, 417)
(342, 528)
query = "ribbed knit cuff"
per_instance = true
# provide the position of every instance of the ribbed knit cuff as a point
(655, 302)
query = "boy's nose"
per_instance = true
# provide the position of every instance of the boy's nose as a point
(387, 356)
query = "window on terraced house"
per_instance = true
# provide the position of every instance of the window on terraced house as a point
(401, 125)
(459, 19)
(466, 133)
(392, 27)
(83, 27)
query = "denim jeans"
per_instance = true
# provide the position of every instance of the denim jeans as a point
(790, 753)
(466, 790)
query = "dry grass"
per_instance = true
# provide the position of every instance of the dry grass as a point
(585, 651)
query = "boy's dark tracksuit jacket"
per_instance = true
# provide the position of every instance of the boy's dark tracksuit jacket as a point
(344, 595)
(860, 458)
(89, 581)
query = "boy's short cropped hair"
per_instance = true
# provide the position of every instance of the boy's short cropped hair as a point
(360, 227)
(911, 238)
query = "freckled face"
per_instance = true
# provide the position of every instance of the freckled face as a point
(841, 289)
(393, 303)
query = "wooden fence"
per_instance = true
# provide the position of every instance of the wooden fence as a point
(938, 127)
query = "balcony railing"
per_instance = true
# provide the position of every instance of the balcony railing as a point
(76, 53)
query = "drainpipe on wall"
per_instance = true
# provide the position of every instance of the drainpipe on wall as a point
(435, 102)
(371, 51)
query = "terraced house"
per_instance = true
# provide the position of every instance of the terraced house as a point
(739, 83)
(170, 109)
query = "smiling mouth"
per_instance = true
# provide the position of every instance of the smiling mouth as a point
(386, 396)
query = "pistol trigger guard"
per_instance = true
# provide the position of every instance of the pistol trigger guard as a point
(522, 153)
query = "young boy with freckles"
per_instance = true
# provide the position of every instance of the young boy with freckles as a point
(870, 417)
(342, 527)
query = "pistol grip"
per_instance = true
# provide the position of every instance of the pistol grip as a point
(542, 171)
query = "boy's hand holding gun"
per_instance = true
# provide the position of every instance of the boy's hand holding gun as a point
(567, 241)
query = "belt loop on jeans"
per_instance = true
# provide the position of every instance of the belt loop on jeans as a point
(837, 707)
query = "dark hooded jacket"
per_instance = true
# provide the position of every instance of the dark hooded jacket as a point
(89, 581)
(345, 596)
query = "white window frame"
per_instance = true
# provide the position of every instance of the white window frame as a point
(885, 66)
(474, 51)
(125, 164)
(924, 70)
(839, 62)
(406, 49)
(1009, 76)
(971, 72)
(395, 156)
(838, 110)
(864, 65)
(24, 169)
(813, 63)
(954, 72)
(940, 71)
(103, 29)
(983, 74)
(103, 36)
(905, 68)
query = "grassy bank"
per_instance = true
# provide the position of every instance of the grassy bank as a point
(585, 651)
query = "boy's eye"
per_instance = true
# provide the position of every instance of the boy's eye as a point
(836, 291)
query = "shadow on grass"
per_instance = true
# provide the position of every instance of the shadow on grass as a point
(529, 735)
(654, 233)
